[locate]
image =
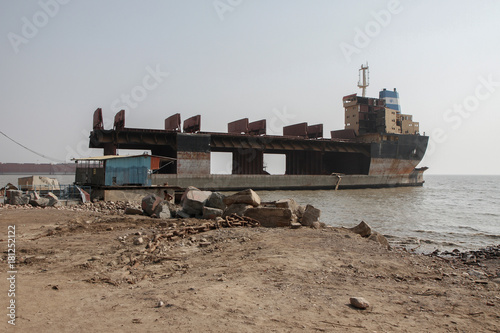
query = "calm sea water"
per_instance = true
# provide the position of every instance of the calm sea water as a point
(447, 212)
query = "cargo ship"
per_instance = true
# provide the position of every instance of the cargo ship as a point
(378, 147)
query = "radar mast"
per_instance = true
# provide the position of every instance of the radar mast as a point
(364, 79)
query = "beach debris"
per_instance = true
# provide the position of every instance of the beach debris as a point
(53, 199)
(362, 229)
(165, 211)
(193, 200)
(239, 209)
(210, 213)
(248, 197)
(287, 203)
(9, 186)
(181, 214)
(477, 274)
(310, 215)
(132, 211)
(272, 217)
(216, 200)
(359, 303)
(152, 205)
(316, 225)
(42, 202)
(16, 197)
(473, 257)
(379, 238)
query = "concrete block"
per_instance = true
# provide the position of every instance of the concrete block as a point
(152, 205)
(132, 211)
(216, 200)
(210, 213)
(379, 238)
(239, 209)
(362, 229)
(310, 215)
(165, 211)
(271, 217)
(193, 201)
(248, 197)
(287, 203)
(42, 202)
(53, 199)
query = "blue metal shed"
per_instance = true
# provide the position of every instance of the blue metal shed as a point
(119, 170)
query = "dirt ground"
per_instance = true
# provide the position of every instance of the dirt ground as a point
(82, 271)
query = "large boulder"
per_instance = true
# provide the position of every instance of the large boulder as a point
(216, 200)
(310, 216)
(210, 213)
(362, 229)
(379, 238)
(17, 197)
(152, 205)
(132, 211)
(165, 211)
(287, 203)
(248, 197)
(272, 217)
(238, 209)
(193, 200)
(53, 199)
(42, 202)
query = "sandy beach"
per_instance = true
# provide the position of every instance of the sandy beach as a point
(86, 271)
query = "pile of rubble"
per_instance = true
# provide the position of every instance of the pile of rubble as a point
(471, 257)
(195, 203)
(16, 197)
(213, 205)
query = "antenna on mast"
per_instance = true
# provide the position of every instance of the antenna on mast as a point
(364, 79)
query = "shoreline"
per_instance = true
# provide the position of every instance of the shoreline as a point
(410, 244)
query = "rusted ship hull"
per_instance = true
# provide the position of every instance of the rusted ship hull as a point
(291, 182)
(372, 161)
(311, 161)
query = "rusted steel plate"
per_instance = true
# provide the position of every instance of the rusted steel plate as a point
(257, 127)
(120, 120)
(296, 130)
(192, 125)
(315, 131)
(98, 122)
(238, 126)
(391, 166)
(343, 134)
(173, 123)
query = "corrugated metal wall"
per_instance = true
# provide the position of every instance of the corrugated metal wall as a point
(132, 170)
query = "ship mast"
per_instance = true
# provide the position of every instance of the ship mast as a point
(363, 71)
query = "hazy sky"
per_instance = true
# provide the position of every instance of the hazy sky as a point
(285, 61)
